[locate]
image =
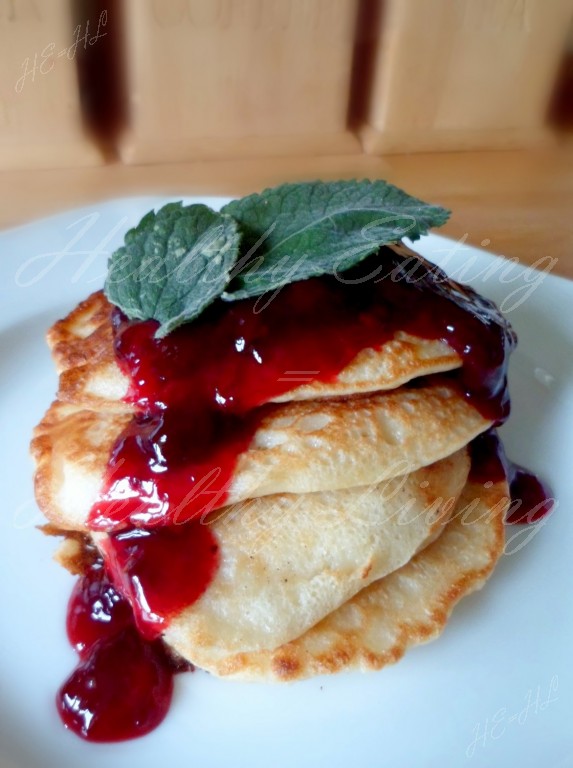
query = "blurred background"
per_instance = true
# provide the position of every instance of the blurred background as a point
(468, 103)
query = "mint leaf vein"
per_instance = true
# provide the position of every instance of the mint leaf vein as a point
(173, 265)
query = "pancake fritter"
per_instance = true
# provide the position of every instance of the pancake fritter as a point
(289, 560)
(377, 626)
(299, 447)
(337, 548)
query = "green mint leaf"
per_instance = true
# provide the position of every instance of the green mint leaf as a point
(173, 264)
(297, 231)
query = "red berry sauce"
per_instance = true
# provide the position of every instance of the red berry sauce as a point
(530, 498)
(122, 687)
(202, 391)
(200, 394)
(96, 610)
(162, 570)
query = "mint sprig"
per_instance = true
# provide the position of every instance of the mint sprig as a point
(173, 265)
(178, 260)
(297, 231)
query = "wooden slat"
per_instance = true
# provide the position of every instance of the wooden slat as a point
(461, 74)
(40, 120)
(234, 77)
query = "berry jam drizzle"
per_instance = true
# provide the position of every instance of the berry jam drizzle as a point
(202, 391)
(200, 394)
(530, 498)
(162, 570)
(123, 685)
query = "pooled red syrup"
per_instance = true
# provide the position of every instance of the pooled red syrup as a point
(122, 687)
(530, 498)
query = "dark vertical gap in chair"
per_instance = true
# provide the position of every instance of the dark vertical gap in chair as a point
(560, 112)
(100, 67)
(367, 42)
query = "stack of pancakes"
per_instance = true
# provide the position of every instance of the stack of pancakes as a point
(352, 524)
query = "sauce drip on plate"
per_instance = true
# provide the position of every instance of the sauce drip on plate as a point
(530, 498)
(122, 686)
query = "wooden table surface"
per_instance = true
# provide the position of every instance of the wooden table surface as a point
(514, 203)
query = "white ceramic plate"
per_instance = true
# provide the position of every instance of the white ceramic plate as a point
(495, 690)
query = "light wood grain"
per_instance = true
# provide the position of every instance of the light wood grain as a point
(40, 118)
(518, 204)
(208, 78)
(464, 74)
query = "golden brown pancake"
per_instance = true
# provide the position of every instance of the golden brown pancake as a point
(376, 627)
(337, 549)
(299, 447)
(289, 560)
